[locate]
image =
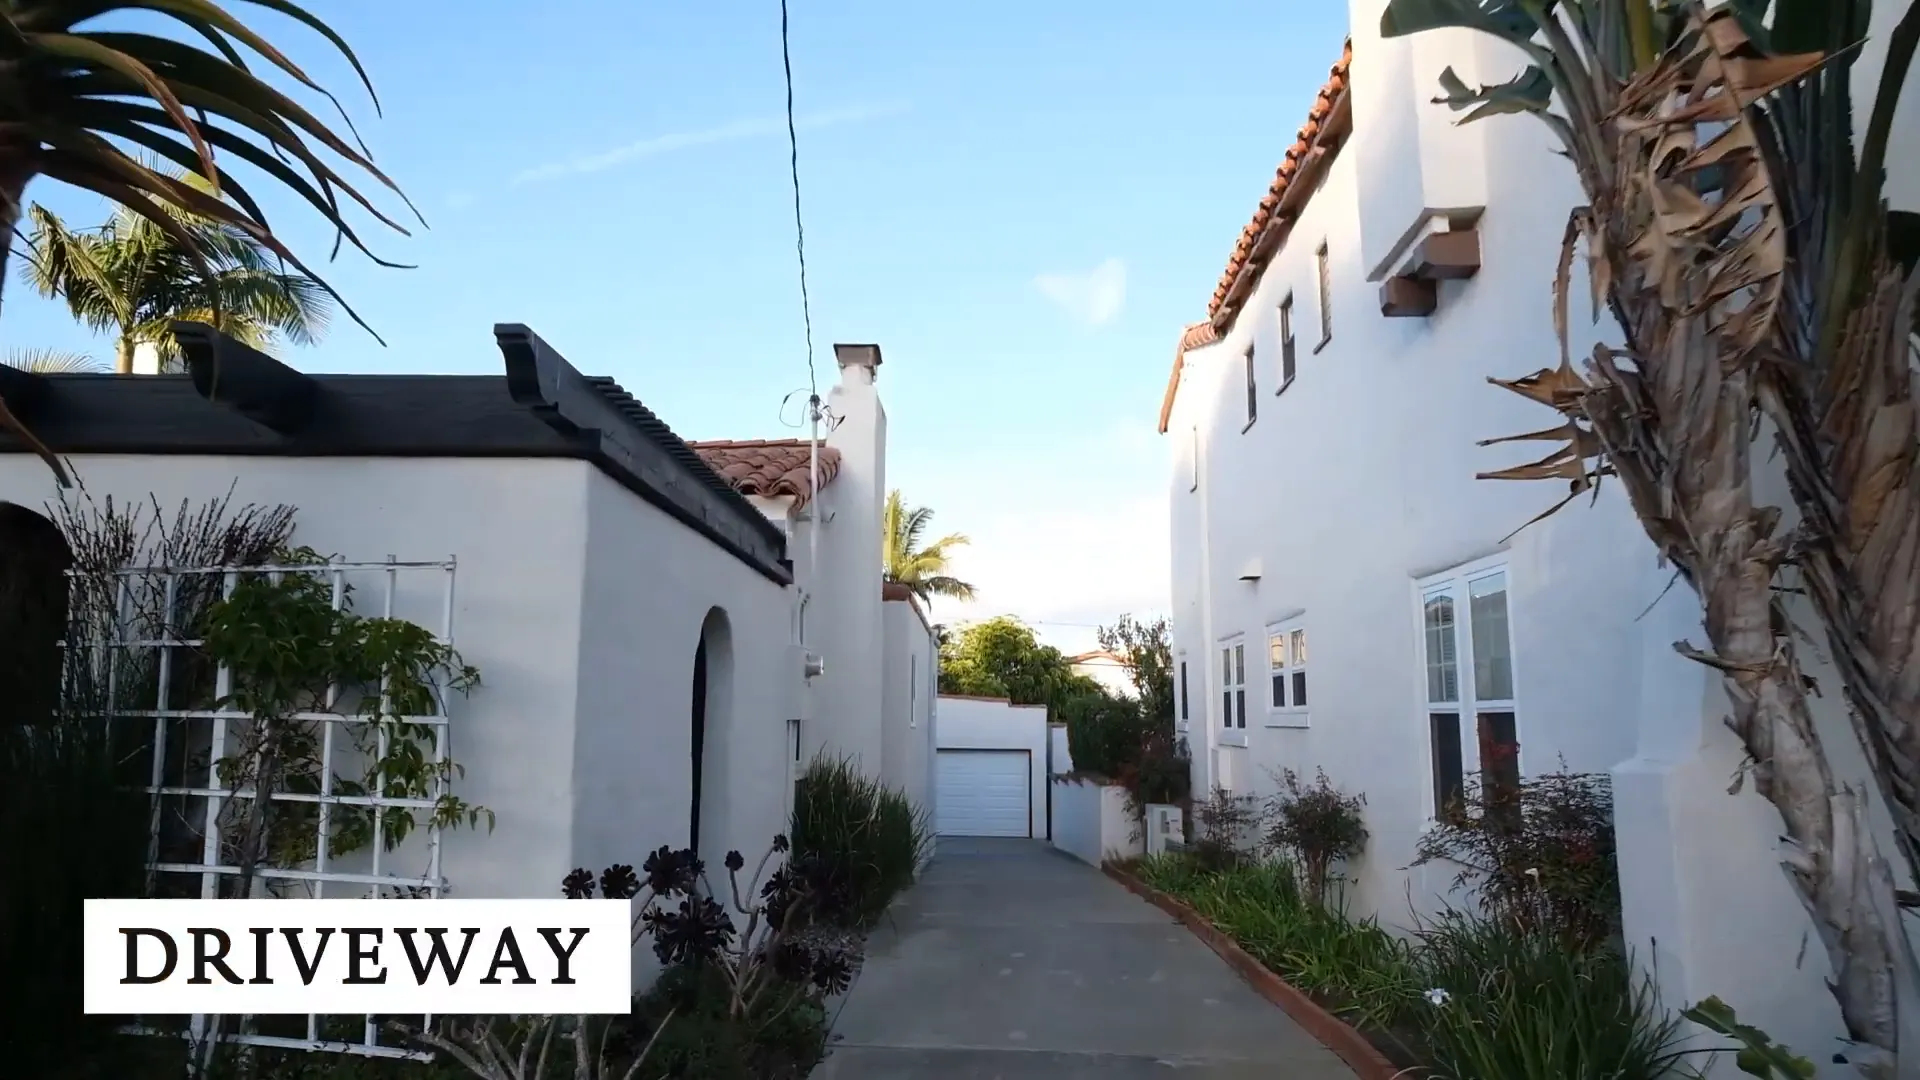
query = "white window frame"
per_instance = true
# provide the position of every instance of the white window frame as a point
(1230, 660)
(1288, 353)
(1183, 705)
(913, 690)
(1457, 585)
(1286, 641)
(1323, 292)
(1193, 457)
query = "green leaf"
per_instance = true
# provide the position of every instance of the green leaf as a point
(1502, 18)
(1531, 91)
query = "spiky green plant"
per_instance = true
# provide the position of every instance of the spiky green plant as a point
(85, 101)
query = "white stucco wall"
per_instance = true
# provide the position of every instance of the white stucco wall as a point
(1091, 822)
(911, 681)
(1384, 421)
(848, 699)
(649, 586)
(518, 529)
(976, 723)
(1380, 428)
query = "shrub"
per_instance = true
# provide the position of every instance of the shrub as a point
(1220, 828)
(867, 839)
(1103, 734)
(1510, 1002)
(1316, 826)
(1541, 854)
(75, 828)
(1466, 998)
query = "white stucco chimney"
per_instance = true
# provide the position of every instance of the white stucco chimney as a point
(850, 712)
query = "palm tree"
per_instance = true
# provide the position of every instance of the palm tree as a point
(1740, 239)
(82, 99)
(923, 570)
(130, 278)
(51, 361)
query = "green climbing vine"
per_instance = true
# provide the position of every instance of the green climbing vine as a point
(292, 654)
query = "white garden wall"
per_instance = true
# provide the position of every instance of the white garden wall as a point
(1091, 822)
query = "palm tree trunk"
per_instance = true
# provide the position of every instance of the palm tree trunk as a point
(14, 174)
(123, 355)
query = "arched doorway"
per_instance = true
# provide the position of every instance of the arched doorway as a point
(34, 559)
(712, 708)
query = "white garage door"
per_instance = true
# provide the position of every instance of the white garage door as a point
(982, 793)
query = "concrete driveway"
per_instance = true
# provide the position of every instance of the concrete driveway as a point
(1010, 960)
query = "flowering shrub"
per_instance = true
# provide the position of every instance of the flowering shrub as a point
(1540, 852)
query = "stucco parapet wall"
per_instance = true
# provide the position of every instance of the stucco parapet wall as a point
(237, 401)
(892, 592)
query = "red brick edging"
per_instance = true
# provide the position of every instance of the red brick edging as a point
(1334, 1033)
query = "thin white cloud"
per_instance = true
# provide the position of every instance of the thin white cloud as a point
(1094, 298)
(736, 131)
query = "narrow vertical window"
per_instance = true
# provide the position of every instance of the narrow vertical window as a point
(1184, 713)
(1325, 275)
(1440, 635)
(1286, 344)
(1253, 395)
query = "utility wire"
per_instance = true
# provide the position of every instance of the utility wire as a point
(799, 228)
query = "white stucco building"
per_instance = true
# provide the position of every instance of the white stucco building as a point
(872, 647)
(1348, 596)
(636, 619)
(1108, 669)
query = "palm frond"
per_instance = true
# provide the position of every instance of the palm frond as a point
(45, 361)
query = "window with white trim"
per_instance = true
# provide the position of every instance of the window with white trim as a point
(1287, 349)
(1467, 650)
(1253, 389)
(1287, 669)
(1193, 458)
(1324, 273)
(913, 691)
(1233, 685)
(1185, 712)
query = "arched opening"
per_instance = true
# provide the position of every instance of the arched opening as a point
(34, 558)
(712, 705)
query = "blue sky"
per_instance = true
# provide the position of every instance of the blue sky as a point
(1022, 203)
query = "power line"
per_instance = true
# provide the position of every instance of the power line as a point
(799, 228)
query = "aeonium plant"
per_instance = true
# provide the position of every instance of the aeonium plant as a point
(678, 909)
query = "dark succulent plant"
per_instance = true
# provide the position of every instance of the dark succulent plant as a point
(690, 925)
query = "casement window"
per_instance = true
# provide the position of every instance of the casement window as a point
(913, 691)
(1468, 654)
(1193, 458)
(1324, 275)
(1253, 394)
(1286, 344)
(1287, 673)
(1185, 713)
(1233, 685)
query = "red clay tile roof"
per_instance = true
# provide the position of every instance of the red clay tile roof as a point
(768, 467)
(1249, 258)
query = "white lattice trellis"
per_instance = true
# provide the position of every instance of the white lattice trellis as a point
(136, 642)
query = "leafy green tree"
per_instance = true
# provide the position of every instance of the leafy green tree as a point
(921, 567)
(1147, 648)
(1001, 657)
(130, 278)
